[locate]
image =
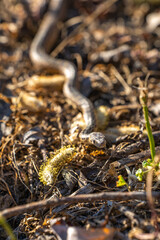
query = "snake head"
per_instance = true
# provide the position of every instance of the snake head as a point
(97, 139)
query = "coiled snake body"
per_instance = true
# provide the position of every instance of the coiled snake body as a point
(41, 45)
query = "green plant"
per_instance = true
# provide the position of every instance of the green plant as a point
(149, 163)
(7, 227)
(121, 182)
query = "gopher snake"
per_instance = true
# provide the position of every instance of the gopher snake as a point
(41, 45)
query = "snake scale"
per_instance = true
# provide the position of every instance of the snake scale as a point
(39, 54)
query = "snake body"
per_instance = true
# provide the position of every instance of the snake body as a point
(39, 54)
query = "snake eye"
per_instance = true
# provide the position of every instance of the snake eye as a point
(94, 141)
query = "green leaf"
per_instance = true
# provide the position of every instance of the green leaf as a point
(121, 182)
(147, 163)
(139, 174)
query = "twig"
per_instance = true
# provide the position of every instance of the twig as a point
(135, 220)
(134, 158)
(150, 198)
(104, 196)
(121, 80)
(135, 147)
(105, 6)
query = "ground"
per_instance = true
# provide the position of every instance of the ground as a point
(116, 51)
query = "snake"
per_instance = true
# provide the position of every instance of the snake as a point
(40, 48)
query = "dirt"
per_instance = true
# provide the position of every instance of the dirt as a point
(117, 58)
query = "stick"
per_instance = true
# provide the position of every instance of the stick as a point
(103, 196)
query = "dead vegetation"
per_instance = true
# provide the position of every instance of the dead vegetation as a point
(111, 48)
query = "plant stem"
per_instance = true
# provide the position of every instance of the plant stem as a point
(149, 132)
(7, 227)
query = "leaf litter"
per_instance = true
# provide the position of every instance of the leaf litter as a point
(111, 51)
